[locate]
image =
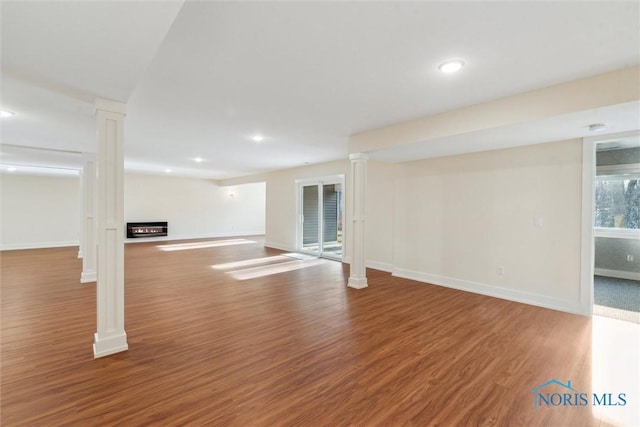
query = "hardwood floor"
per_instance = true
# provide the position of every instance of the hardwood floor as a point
(296, 348)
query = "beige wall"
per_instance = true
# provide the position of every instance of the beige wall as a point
(453, 220)
(281, 210)
(195, 207)
(457, 218)
(39, 211)
(379, 206)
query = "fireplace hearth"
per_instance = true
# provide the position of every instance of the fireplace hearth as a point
(136, 230)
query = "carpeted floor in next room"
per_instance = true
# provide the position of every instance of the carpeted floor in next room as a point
(616, 298)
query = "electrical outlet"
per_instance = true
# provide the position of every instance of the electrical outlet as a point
(538, 221)
(629, 257)
(500, 270)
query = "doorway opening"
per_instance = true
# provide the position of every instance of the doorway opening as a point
(321, 210)
(614, 226)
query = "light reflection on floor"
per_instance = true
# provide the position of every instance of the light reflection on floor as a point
(202, 245)
(251, 262)
(281, 267)
(616, 369)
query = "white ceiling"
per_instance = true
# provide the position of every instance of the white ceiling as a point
(201, 78)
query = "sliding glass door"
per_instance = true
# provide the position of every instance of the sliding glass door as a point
(310, 219)
(321, 210)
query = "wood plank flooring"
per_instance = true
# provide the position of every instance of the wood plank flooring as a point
(295, 348)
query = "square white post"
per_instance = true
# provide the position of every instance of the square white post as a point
(111, 336)
(358, 273)
(89, 223)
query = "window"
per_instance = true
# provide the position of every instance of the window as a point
(617, 202)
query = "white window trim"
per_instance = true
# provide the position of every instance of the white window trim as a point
(617, 172)
(616, 233)
(627, 171)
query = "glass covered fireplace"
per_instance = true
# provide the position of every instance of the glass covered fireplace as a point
(146, 229)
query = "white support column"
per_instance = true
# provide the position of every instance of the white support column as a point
(89, 221)
(111, 336)
(81, 207)
(358, 274)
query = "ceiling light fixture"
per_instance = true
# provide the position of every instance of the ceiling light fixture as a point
(257, 138)
(596, 127)
(167, 170)
(198, 160)
(4, 113)
(12, 169)
(451, 66)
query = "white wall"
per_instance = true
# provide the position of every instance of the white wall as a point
(44, 211)
(195, 207)
(457, 218)
(39, 211)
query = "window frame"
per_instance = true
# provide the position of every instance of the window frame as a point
(617, 172)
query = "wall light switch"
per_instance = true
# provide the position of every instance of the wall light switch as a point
(630, 258)
(538, 221)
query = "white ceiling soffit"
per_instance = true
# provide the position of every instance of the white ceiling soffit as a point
(99, 48)
(15, 155)
(46, 118)
(618, 118)
(9, 170)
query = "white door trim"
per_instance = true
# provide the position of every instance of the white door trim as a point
(588, 200)
(320, 182)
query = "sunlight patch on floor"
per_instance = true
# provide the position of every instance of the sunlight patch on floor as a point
(616, 313)
(201, 245)
(268, 270)
(616, 369)
(251, 262)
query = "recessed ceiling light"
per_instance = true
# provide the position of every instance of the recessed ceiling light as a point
(167, 170)
(257, 138)
(451, 66)
(4, 113)
(198, 160)
(596, 127)
(12, 169)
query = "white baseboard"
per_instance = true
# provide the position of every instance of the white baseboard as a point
(618, 274)
(382, 266)
(357, 283)
(88, 277)
(278, 246)
(375, 265)
(38, 245)
(493, 291)
(195, 236)
(104, 346)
